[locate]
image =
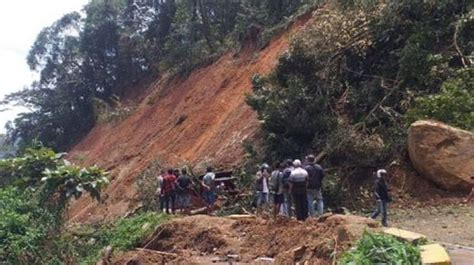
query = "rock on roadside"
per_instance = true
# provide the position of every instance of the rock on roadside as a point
(442, 153)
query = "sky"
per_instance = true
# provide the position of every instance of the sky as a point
(20, 23)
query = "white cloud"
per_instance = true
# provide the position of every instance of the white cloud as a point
(20, 23)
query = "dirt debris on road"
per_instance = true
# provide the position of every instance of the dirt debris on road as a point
(453, 223)
(203, 239)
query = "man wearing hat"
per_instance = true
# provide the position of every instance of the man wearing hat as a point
(297, 181)
(382, 196)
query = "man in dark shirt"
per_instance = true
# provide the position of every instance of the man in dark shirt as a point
(183, 188)
(382, 196)
(315, 180)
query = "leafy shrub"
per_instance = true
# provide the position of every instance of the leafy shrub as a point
(23, 227)
(127, 233)
(32, 205)
(381, 249)
(67, 181)
(348, 148)
(147, 186)
(83, 244)
(334, 190)
(453, 105)
(28, 169)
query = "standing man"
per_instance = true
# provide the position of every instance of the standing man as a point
(276, 188)
(382, 196)
(261, 186)
(315, 181)
(169, 186)
(286, 188)
(298, 181)
(209, 193)
(184, 184)
(159, 189)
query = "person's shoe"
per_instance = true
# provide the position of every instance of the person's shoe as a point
(384, 224)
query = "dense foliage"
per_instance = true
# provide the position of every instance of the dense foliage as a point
(352, 75)
(381, 249)
(454, 104)
(84, 244)
(102, 53)
(34, 192)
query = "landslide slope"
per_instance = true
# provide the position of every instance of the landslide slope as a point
(199, 119)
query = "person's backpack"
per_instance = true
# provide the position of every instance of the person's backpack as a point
(275, 181)
(286, 177)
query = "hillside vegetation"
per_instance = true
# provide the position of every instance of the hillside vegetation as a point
(358, 74)
(96, 57)
(228, 83)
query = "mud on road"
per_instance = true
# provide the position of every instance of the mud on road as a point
(203, 239)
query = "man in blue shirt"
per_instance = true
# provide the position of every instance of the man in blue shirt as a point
(209, 192)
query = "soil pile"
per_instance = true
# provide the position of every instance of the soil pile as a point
(204, 239)
(194, 120)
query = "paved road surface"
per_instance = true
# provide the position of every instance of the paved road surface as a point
(461, 256)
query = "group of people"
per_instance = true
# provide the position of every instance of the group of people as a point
(175, 189)
(298, 184)
(291, 183)
(288, 184)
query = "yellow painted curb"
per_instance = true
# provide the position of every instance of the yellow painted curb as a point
(404, 234)
(434, 254)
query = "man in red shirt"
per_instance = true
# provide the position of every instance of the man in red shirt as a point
(168, 189)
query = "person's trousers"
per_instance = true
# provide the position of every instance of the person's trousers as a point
(287, 204)
(262, 198)
(315, 195)
(162, 202)
(301, 206)
(381, 207)
(169, 199)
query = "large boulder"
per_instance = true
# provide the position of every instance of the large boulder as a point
(442, 153)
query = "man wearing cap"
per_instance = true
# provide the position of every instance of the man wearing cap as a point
(382, 196)
(298, 179)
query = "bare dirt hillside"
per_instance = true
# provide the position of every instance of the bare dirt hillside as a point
(199, 119)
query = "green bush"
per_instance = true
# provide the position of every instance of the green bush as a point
(453, 105)
(83, 244)
(147, 186)
(23, 227)
(128, 232)
(33, 202)
(381, 249)
(27, 170)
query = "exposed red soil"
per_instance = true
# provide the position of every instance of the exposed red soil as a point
(202, 239)
(197, 120)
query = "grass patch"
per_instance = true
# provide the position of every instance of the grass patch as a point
(381, 249)
(83, 244)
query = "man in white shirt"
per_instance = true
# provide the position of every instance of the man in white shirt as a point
(298, 181)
